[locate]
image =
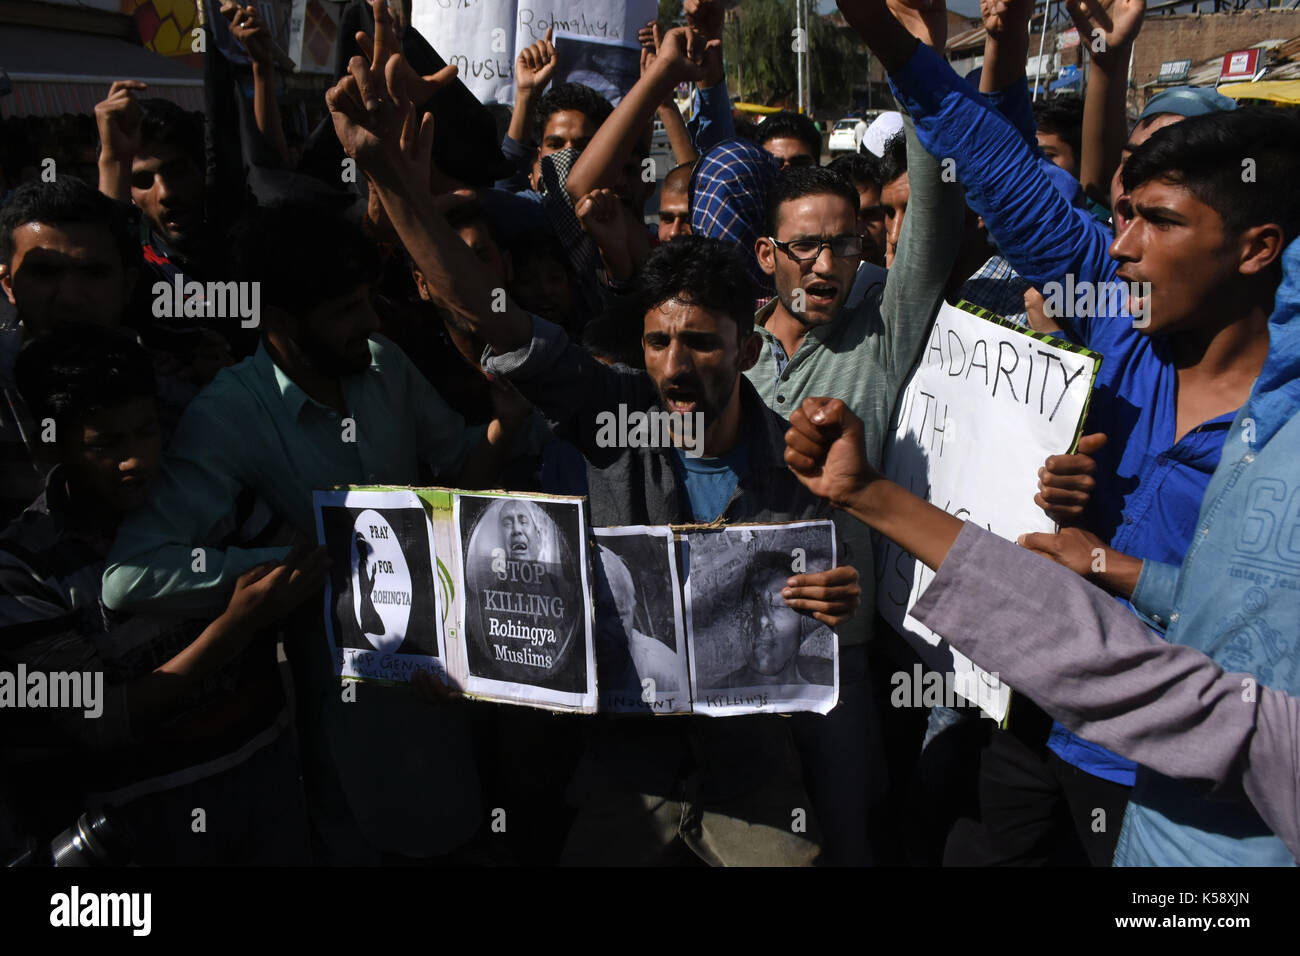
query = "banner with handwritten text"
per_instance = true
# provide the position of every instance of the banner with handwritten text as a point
(483, 37)
(985, 406)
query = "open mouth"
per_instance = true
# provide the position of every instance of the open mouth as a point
(1137, 305)
(821, 293)
(518, 544)
(681, 399)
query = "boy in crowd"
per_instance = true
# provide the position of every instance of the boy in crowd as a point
(791, 138)
(1192, 335)
(190, 715)
(67, 253)
(337, 406)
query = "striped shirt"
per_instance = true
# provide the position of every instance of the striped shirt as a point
(997, 288)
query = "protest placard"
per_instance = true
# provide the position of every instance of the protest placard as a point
(610, 67)
(525, 607)
(750, 651)
(497, 594)
(985, 406)
(483, 37)
(640, 637)
(380, 607)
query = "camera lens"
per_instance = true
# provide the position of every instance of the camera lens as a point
(93, 840)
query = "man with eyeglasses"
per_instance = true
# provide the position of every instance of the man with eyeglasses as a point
(854, 334)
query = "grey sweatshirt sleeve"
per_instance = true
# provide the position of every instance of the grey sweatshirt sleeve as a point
(1092, 665)
(927, 249)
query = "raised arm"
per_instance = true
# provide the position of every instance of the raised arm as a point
(826, 450)
(1006, 46)
(680, 58)
(117, 117)
(1035, 228)
(713, 123)
(930, 237)
(250, 30)
(534, 68)
(679, 137)
(1107, 28)
(376, 123)
(1114, 682)
(1002, 80)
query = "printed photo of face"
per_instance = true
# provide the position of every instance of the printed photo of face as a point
(520, 531)
(778, 629)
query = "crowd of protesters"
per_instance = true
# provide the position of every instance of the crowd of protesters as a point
(466, 322)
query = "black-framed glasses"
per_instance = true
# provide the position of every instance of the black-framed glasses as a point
(802, 250)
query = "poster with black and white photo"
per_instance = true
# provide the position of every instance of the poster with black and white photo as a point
(609, 66)
(640, 640)
(525, 606)
(380, 610)
(750, 651)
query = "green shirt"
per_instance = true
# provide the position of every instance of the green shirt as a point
(405, 774)
(254, 429)
(865, 355)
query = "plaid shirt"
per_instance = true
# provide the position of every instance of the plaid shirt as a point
(997, 288)
(728, 193)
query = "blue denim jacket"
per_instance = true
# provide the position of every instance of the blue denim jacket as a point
(1236, 598)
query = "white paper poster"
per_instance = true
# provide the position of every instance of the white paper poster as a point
(483, 37)
(986, 405)
(380, 609)
(750, 651)
(640, 635)
(525, 607)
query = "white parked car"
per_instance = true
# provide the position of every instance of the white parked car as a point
(843, 139)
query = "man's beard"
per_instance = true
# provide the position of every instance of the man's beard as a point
(705, 404)
(800, 315)
(324, 359)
